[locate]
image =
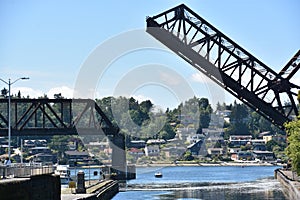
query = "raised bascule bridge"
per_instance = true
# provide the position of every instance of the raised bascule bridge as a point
(225, 62)
(271, 94)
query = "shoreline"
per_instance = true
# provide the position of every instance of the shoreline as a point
(230, 164)
(192, 164)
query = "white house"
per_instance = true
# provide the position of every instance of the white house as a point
(152, 150)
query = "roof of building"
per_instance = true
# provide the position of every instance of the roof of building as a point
(77, 153)
(135, 150)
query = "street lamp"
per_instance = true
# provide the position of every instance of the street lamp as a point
(9, 83)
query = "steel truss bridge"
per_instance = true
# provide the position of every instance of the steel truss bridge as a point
(207, 49)
(33, 117)
(199, 43)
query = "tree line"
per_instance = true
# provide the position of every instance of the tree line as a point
(142, 120)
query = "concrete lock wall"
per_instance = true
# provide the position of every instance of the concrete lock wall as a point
(289, 187)
(33, 188)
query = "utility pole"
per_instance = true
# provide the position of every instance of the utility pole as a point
(9, 83)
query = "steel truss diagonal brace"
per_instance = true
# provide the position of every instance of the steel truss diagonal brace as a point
(55, 117)
(217, 56)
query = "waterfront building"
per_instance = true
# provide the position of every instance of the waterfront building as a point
(136, 152)
(242, 155)
(264, 155)
(174, 151)
(152, 150)
(216, 151)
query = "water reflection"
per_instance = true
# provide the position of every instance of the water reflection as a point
(269, 189)
(207, 183)
(265, 189)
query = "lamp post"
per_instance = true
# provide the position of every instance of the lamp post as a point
(9, 83)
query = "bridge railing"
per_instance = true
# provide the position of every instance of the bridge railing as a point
(25, 170)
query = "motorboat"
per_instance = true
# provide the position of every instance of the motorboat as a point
(64, 173)
(158, 175)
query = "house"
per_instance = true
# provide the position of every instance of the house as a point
(136, 152)
(239, 140)
(257, 141)
(243, 155)
(240, 137)
(77, 155)
(152, 150)
(34, 143)
(216, 151)
(264, 155)
(259, 147)
(193, 138)
(213, 131)
(44, 158)
(37, 150)
(225, 114)
(267, 138)
(174, 151)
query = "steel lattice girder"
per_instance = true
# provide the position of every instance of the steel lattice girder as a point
(55, 117)
(32, 117)
(228, 64)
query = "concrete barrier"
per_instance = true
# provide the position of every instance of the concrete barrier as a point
(34, 188)
(109, 191)
(291, 188)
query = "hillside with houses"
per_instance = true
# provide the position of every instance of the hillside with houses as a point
(192, 132)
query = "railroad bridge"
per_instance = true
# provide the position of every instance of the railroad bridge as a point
(32, 117)
(191, 37)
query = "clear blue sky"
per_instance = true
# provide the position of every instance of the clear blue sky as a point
(50, 40)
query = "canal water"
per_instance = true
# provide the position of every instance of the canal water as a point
(207, 183)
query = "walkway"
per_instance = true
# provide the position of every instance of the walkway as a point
(91, 190)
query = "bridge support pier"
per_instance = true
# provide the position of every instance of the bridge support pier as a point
(119, 166)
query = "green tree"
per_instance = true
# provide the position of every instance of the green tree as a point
(188, 156)
(293, 148)
(59, 144)
(238, 118)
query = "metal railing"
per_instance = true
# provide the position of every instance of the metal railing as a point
(25, 170)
